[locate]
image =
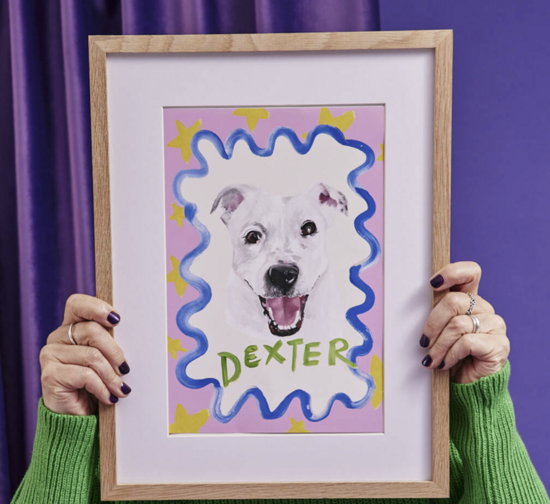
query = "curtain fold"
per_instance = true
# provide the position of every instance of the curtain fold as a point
(12, 460)
(46, 211)
(191, 17)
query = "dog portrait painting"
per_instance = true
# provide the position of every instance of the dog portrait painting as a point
(280, 274)
(274, 263)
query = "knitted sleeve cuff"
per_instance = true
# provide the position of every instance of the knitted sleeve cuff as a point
(487, 391)
(64, 459)
(54, 427)
(496, 465)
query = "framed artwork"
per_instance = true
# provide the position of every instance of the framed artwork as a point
(268, 211)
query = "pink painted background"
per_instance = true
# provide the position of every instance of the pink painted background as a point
(368, 127)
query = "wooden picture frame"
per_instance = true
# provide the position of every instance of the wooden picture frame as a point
(440, 41)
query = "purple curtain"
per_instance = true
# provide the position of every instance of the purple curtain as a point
(46, 220)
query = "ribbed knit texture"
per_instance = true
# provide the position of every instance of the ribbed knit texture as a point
(489, 462)
(497, 467)
(64, 461)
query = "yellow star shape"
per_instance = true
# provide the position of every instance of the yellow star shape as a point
(186, 423)
(381, 157)
(174, 276)
(342, 122)
(377, 372)
(183, 140)
(253, 115)
(297, 427)
(178, 215)
(174, 346)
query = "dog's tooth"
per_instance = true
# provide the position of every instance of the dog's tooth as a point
(270, 312)
(297, 319)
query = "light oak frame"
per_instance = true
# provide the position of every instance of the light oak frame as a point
(441, 41)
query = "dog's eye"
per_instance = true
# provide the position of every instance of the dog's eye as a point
(253, 237)
(308, 228)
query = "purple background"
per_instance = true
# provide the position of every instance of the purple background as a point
(499, 163)
(500, 181)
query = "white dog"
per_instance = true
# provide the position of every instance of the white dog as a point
(280, 283)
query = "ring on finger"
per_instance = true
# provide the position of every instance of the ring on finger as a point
(476, 324)
(71, 337)
(472, 303)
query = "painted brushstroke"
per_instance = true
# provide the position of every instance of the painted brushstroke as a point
(205, 293)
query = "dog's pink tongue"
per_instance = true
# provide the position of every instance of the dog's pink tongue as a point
(284, 309)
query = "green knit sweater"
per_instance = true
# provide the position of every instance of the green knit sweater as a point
(489, 462)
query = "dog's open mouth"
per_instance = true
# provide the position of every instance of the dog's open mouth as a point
(285, 314)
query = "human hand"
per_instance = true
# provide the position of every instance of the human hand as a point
(448, 333)
(75, 377)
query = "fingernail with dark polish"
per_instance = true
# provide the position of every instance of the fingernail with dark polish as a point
(125, 389)
(113, 318)
(437, 281)
(424, 341)
(124, 368)
(442, 365)
(113, 399)
(426, 361)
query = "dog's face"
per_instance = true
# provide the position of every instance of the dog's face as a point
(279, 246)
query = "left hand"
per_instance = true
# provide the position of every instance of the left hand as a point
(448, 335)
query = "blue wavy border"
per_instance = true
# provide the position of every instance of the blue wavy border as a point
(205, 293)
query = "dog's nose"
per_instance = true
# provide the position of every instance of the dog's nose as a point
(283, 276)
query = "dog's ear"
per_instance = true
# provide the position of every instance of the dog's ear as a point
(229, 198)
(329, 198)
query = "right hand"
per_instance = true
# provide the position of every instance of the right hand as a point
(75, 377)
